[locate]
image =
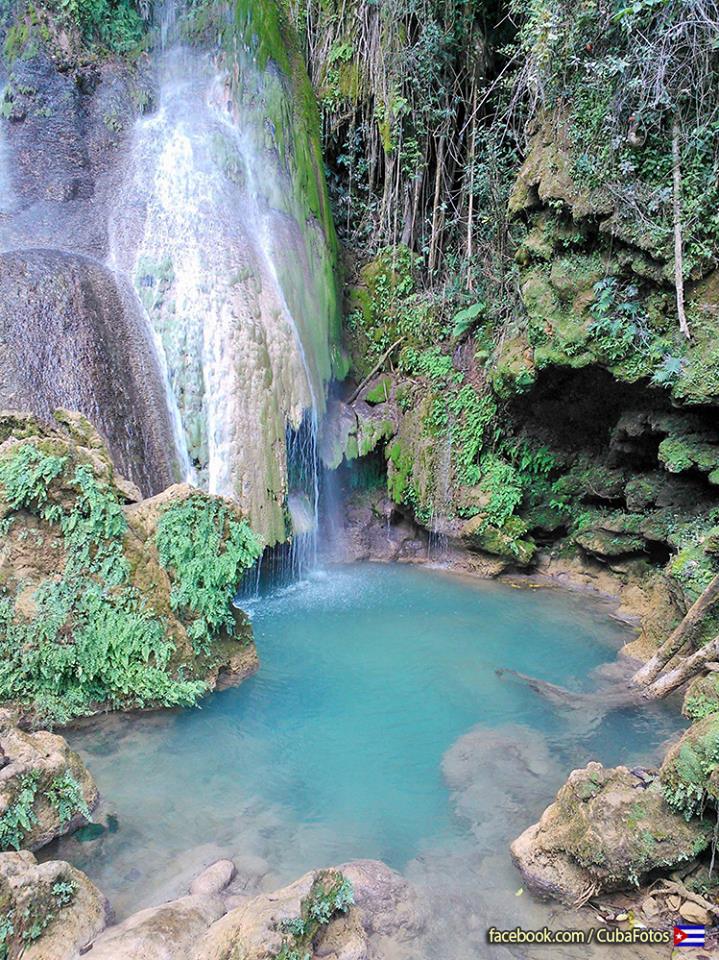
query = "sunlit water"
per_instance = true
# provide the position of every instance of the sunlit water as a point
(335, 749)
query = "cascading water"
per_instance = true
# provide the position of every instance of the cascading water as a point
(232, 272)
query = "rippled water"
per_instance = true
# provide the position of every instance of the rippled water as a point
(340, 747)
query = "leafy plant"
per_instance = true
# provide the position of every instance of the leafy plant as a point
(66, 797)
(207, 551)
(465, 319)
(20, 816)
(92, 640)
(331, 895)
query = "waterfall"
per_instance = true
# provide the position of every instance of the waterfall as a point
(230, 270)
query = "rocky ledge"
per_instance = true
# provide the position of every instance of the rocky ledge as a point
(358, 911)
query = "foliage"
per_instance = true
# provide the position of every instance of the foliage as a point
(689, 770)
(207, 550)
(330, 896)
(104, 26)
(66, 797)
(406, 92)
(114, 25)
(91, 639)
(625, 76)
(466, 318)
(20, 817)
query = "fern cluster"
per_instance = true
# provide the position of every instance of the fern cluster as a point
(20, 816)
(206, 551)
(92, 640)
(63, 793)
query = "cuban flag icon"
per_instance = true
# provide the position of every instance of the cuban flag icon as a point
(689, 936)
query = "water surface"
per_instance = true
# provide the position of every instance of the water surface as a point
(334, 750)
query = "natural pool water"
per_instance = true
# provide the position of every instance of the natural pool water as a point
(341, 746)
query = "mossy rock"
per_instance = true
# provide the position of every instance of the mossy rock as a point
(545, 519)
(380, 392)
(47, 910)
(512, 370)
(506, 542)
(688, 452)
(606, 829)
(45, 789)
(85, 587)
(602, 542)
(690, 771)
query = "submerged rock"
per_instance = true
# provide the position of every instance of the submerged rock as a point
(495, 774)
(105, 604)
(45, 788)
(606, 830)
(48, 911)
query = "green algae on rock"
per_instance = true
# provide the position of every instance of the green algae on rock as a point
(606, 830)
(91, 619)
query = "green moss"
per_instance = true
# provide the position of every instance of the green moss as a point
(681, 453)
(399, 472)
(380, 393)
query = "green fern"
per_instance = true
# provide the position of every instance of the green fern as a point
(207, 551)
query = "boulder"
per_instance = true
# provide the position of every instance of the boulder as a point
(606, 830)
(384, 916)
(505, 542)
(45, 788)
(72, 335)
(53, 910)
(214, 879)
(166, 932)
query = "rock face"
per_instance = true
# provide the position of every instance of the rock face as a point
(130, 603)
(52, 910)
(45, 788)
(72, 335)
(606, 830)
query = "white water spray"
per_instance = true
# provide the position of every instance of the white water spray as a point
(214, 258)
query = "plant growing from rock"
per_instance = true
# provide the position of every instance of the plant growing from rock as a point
(330, 896)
